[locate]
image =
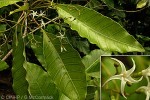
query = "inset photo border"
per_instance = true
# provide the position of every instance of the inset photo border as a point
(125, 77)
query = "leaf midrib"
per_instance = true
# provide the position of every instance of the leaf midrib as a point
(92, 64)
(62, 62)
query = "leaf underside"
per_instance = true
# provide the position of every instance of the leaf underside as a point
(65, 68)
(98, 29)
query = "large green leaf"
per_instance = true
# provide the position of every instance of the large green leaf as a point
(7, 2)
(40, 84)
(98, 29)
(3, 65)
(20, 85)
(65, 67)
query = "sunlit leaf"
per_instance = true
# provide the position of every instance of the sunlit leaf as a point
(98, 29)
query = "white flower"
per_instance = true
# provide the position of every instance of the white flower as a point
(34, 13)
(63, 48)
(145, 89)
(61, 36)
(42, 23)
(146, 72)
(124, 76)
(41, 13)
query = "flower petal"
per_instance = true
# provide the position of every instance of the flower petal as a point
(129, 72)
(147, 96)
(113, 77)
(147, 78)
(146, 72)
(122, 87)
(131, 80)
(121, 64)
(141, 88)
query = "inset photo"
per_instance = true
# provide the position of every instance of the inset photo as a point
(125, 77)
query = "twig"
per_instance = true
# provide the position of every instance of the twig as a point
(7, 55)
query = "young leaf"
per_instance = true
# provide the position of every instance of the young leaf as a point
(7, 2)
(20, 85)
(64, 66)
(98, 29)
(3, 65)
(40, 84)
(142, 3)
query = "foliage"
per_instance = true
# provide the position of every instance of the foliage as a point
(53, 47)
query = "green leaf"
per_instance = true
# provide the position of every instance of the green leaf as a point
(141, 3)
(93, 59)
(22, 8)
(3, 65)
(20, 85)
(98, 29)
(7, 2)
(92, 62)
(65, 67)
(40, 84)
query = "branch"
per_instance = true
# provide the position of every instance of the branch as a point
(7, 55)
